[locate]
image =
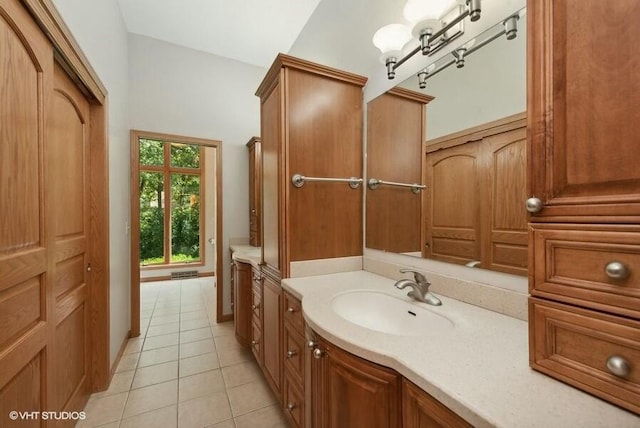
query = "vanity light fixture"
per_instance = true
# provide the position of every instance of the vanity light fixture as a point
(435, 23)
(508, 27)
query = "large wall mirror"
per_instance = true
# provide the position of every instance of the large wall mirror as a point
(446, 157)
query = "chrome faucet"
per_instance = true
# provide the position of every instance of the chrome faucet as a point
(420, 288)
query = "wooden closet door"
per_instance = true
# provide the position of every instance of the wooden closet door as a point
(26, 274)
(503, 193)
(452, 219)
(67, 159)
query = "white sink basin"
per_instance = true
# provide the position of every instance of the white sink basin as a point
(388, 314)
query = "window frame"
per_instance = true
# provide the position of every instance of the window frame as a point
(166, 169)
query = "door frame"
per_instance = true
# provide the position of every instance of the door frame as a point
(69, 55)
(135, 216)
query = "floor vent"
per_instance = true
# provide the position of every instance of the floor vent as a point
(184, 274)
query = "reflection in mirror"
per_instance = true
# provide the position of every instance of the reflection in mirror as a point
(469, 122)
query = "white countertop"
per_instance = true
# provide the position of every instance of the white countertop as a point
(246, 254)
(480, 370)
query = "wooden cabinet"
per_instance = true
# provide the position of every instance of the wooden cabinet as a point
(255, 191)
(294, 355)
(242, 300)
(584, 189)
(311, 124)
(476, 187)
(350, 391)
(395, 144)
(272, 332)
(421, 410)
(256, 316)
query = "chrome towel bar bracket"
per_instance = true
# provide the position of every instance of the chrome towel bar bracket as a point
(298, 180)
(374, 183)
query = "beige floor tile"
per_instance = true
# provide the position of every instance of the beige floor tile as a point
(191, 349)
(161, 312)
(204, 411)
(120, 382)
(196, 315)
(164, 319)
(157, 330)
(249, 397)
(233, 355)
(224, 329)
(133, 346)
(158, 356)
(104, 410)
(109, 425)
(161, 341)
(194, 335)
(167, 417)
(127, 362)
(192, 308)
(194, 324)
(152, 375)
(268, 417)
(229, 423)
(198, 364)
(151, 398)
(239, 374)
(200, 385)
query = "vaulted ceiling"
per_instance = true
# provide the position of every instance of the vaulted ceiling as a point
(251, 31)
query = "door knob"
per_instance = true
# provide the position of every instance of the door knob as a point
(533, 205)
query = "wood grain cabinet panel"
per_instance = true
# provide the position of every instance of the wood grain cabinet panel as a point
(350, 391)
(242, 301)
(255, 191)
(272, 333)
(583, 123)
(421, 410)
(577, 345)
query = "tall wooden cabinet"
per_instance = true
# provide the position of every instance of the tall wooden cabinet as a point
(311, 124)
(584, 190)
(255, 191)
(476, 185)
(395, 143)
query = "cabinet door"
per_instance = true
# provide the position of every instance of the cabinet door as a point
(271, 332)
(503, 193)
(254, 191)
(584, 109)
(242, 300)
(453, 216)
(351, 392)
(420, 410)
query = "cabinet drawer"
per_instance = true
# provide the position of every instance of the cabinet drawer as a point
(293, 402)
(293, 312)
(256, 306)
(294, 353)
(596, 352)
(577, 264)
(256, 342)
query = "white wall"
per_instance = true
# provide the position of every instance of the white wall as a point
(492, 85)
(104, 42)
(182, 91)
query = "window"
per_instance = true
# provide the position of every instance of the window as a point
(170, 205)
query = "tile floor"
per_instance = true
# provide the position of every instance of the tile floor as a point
(184, 370)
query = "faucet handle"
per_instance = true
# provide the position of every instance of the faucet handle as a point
(418, 276)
